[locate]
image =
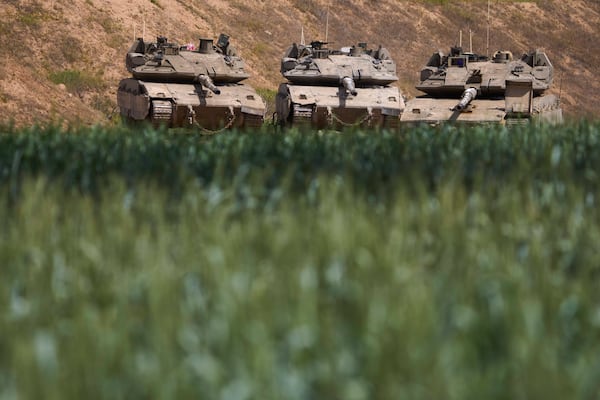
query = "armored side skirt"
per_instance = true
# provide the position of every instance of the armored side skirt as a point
(331, 106)
(190, 105)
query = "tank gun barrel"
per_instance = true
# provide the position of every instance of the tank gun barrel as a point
(205, 81)
(349, 85)
(466, 98)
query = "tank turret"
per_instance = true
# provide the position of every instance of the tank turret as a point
(317, 65)
(467, 87)
(349, 86)
(186, 86)
(451, 75)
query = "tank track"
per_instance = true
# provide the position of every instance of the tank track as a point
(301, 115)
(252, 121)
(391, 121)
(161, 112)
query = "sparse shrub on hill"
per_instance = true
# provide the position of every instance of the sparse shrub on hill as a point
(77, 81)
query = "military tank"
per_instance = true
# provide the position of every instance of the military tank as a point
(470, 88)
(338, 88)
(185, 86)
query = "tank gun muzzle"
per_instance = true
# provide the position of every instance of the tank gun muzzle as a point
(205, 81)
(466, 98)
(349, 85)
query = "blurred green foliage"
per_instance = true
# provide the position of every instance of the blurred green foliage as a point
(456, 263)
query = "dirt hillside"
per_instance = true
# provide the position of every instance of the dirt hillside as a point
(62, 59)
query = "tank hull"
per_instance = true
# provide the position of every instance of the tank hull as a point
(433, 111)
(178, 105)
(332, 107)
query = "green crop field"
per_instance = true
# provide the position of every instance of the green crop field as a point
(433, 263)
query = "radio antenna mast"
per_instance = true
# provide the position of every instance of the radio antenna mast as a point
(327, 25)
(487, 42)
(470, 40)
(302, 41)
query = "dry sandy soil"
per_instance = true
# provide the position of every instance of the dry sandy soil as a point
(89, 38)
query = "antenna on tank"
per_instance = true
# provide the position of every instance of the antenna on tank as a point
(487, 40)
(302, 41)
(327, 25)
(144, 29)
(460, 38)
(470, 40)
